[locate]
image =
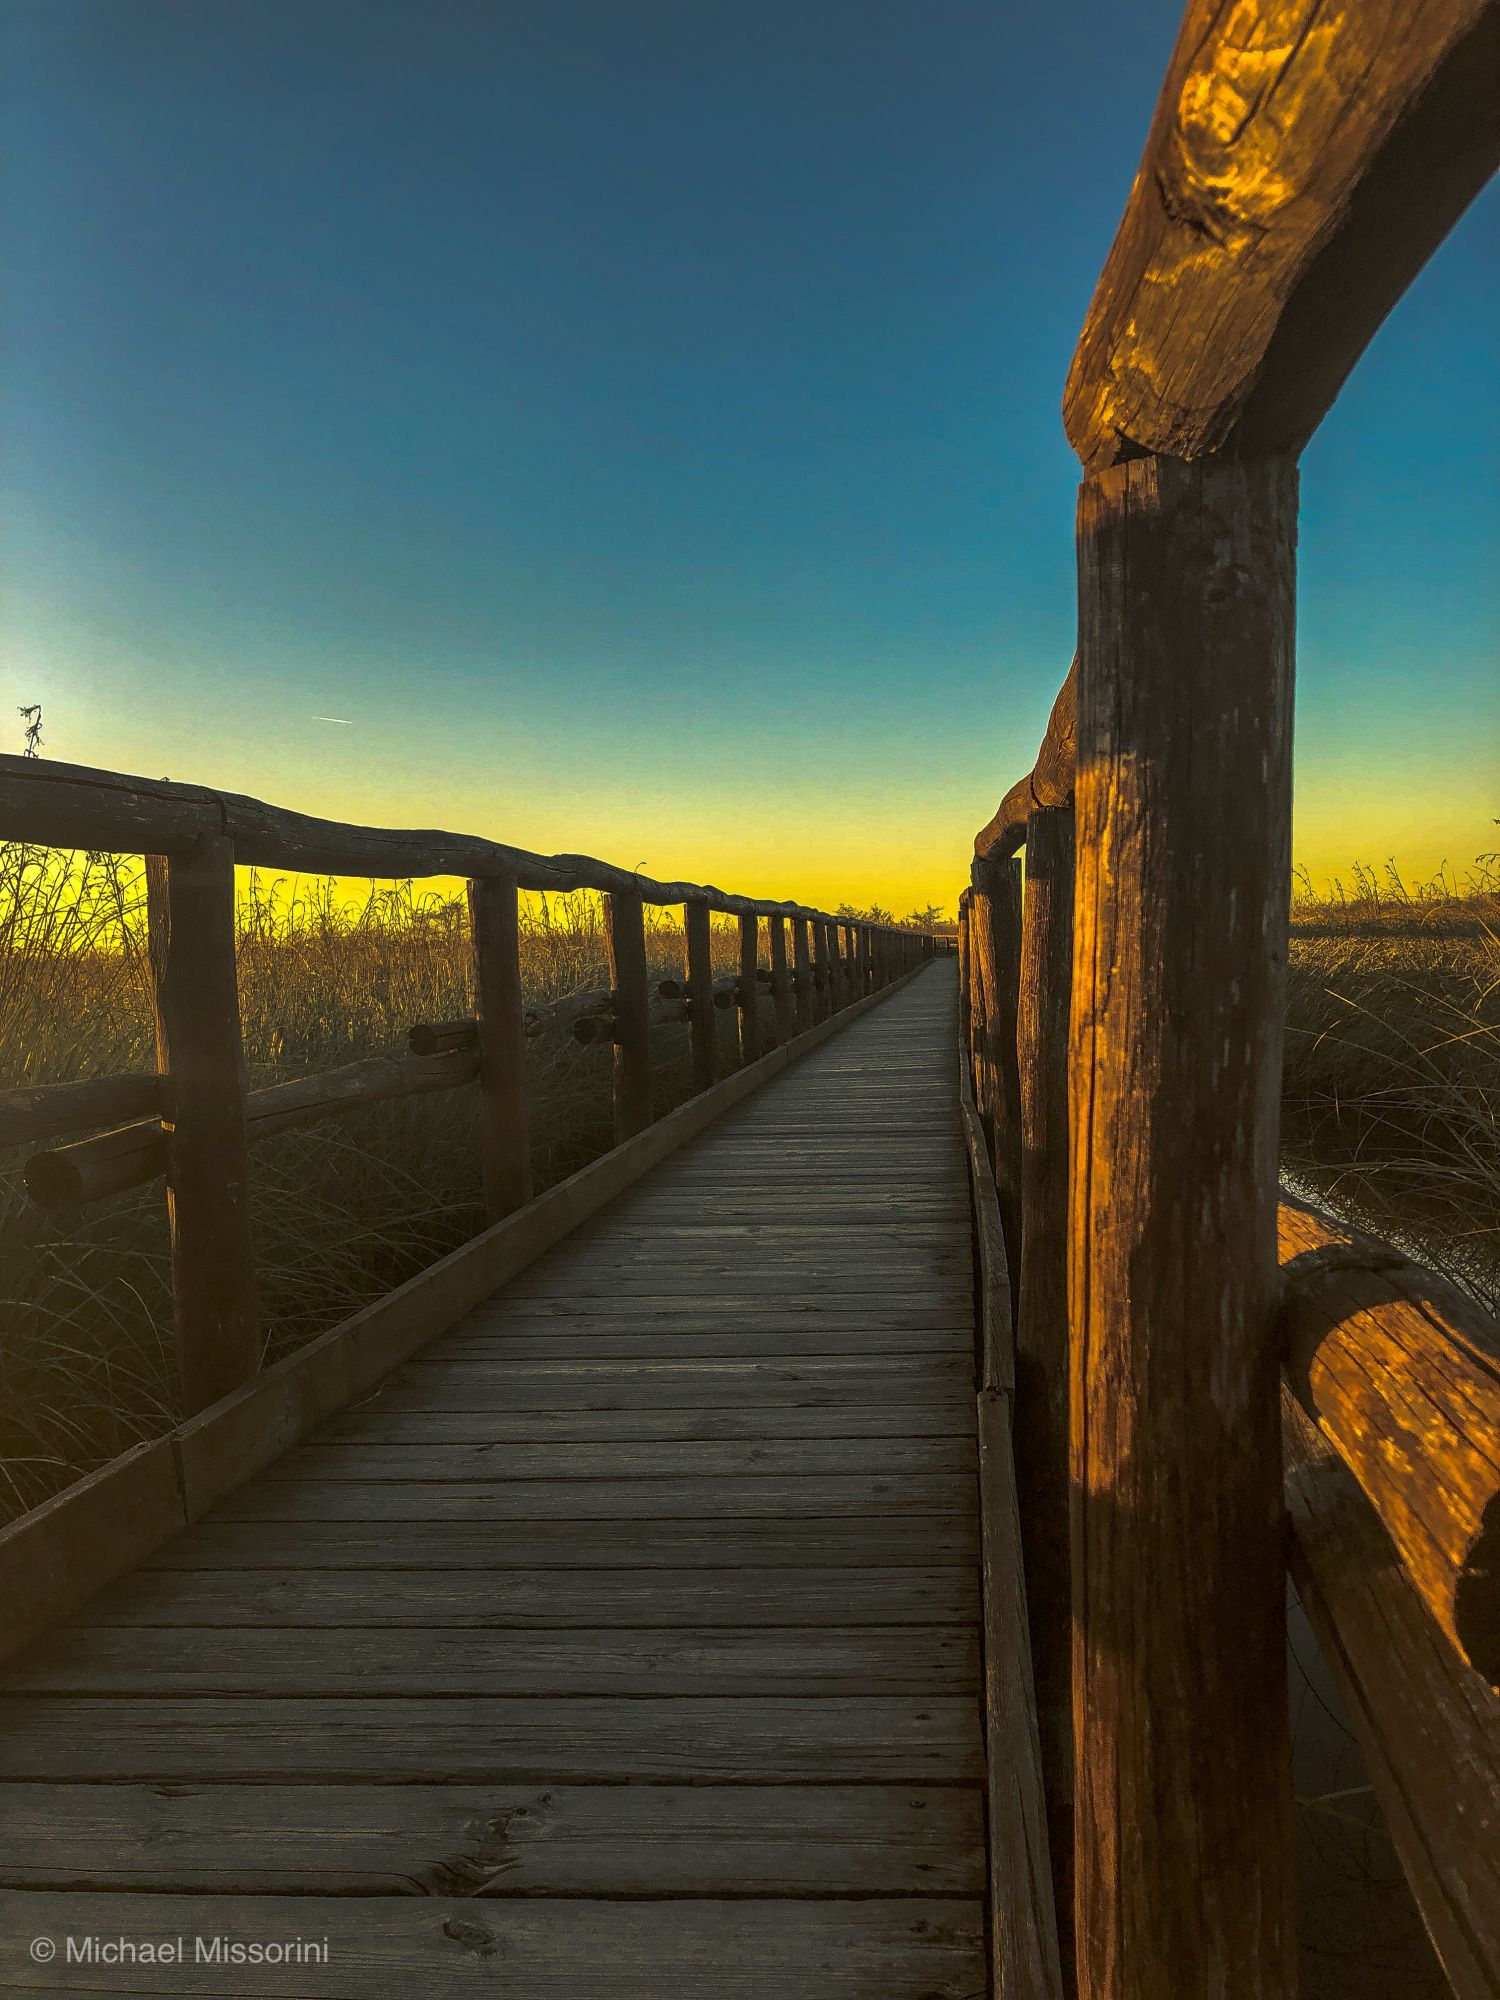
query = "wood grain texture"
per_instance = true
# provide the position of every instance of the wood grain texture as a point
(1048, 783)
(1304, 161)
(1428, 1725)
(1401, 1372)
(519, 1600)
(505, 1141)
(357, 1661)
(542, 1949)
(698, 929)
(1024, 1942)
(907, 1739)
(199, 1052)
(47, 1110)
(1041, 1391)
(995, 942)
(802, 977)
(656, 1579)
(625, 944)
(1183, 817)
(495, 1840)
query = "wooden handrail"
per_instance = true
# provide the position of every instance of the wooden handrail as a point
(134, 1155)
(1306, 158)
(76, 806)
(48, 1110)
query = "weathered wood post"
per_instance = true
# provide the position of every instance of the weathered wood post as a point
(781, 989)
(699, 980)
(749, 989)
(847, 953)
(1041, 1428)
(835, 969)
(1182, 1789)
(823, 970)
(505, 1142)
(995, 952)
(625, 939)
(802, 968)
(966, 1022)
(199, 1051)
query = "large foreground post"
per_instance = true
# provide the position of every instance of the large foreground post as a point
(1182, 1790)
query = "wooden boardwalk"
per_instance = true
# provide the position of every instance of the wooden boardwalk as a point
(625, 1643)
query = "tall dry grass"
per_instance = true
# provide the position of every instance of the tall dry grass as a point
(341, 1211)
(1391, 1093)
(1390, 1107)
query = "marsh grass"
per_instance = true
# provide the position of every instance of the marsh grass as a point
(341, 1211)
(1391, 1092)
(1390, 1106)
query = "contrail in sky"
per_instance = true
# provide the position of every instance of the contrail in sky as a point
(343, 721)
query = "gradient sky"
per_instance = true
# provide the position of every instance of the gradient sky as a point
(639, 420)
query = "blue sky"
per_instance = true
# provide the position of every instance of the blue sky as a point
(640, 423)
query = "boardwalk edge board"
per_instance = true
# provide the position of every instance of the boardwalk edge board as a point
(55, 1558)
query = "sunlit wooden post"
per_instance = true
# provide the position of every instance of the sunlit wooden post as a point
(200, 1053)
(866, 974)
(625, 940)
(749, 989)
(505, 1143)
(995, 952)
(850, 987)
(1041, 1395)
(965, 995)
(699, 980)
(823, 970)
(1182, 1789)
(802, 971)
(781, 989)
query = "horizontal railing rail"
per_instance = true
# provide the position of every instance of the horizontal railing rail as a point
(75, 806)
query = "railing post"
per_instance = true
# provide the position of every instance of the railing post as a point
(505, 1141)
(1041, 1396)
(846, 964)
(749, 989)
(781, 990)
(865, 977)
(966, 1021)
(195, 1000)
(625, 940)
(801, 966)
(821, 955)
(699, 980)
(1182, 1777)
(995, 950)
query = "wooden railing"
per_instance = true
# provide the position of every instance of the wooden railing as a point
(1180, 1395)
(192, 1121)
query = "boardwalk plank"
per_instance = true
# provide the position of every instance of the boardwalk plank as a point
(622, 1643)
(490, 1599)
(903, 1739)
(389, 1948)
(495, 1840)
(807, 1660)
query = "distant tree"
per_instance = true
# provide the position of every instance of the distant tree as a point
(925, 920)
(31, 715)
